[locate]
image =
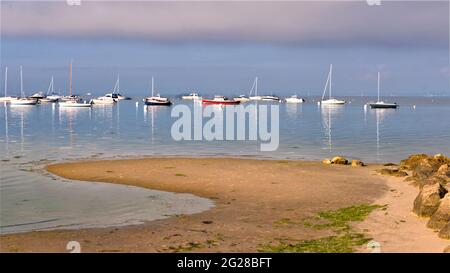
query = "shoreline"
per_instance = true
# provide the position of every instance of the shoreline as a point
(251, 196)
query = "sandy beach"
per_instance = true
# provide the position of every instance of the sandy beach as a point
(257, 202)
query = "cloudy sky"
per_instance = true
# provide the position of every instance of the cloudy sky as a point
(219, 47)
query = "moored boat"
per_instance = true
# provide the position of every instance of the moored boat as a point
(294, 99)
(104, 100)
(270, 98)
(330, 100)
(381, 104)
(191, 96)
(242, 98)
(219, 100)
(23, 100)
(71, 100)
(156, 100)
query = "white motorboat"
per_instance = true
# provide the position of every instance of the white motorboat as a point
(381, 104)
(191, 96)
(38, 95)
(75, 103)
(6, 98)
(23, 100)
(330, 100)
(156, 100)
(242, 98)
(294, 99)
(104, 100)
(270, 98)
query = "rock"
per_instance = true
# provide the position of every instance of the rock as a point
(393, 172)
(326, 161)
(412, 161)
(442, 215)
(447, 249)
(444, 170)
(357, 163)
(339, 160)
(428, 200)
(445, 233)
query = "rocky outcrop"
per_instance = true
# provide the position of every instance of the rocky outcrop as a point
(441, 217)
(339, 160)
(432, 175)
(357, 163)
(445, 232)
(428, 200)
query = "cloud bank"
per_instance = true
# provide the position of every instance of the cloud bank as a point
(393, 24)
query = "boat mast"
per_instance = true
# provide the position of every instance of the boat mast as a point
(50, 87)
(152, 86)
(118, 83)
(256, 86)
(70, 79)
(116, 86)
(21, 83)
(326, 86)
(378, 86)
(331, 72)
(6, 79)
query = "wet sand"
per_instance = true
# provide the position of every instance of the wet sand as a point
(250, 197)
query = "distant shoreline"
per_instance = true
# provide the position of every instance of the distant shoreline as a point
(258, 202)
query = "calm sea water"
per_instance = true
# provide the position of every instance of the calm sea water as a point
(30, 137)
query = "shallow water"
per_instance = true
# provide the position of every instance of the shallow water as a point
(28, 135)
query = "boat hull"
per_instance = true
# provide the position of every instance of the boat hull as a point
(74, 105)
(229, 102)
(383, 106)
(156, 103)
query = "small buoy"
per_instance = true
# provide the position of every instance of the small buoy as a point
(365, 106)
(137, 104)
(318, 103)
(414, 106)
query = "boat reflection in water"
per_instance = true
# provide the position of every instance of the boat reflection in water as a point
(329, 114)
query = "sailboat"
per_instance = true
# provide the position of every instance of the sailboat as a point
(23, 100)
(156, 100)
(244, 98)
(51, 96)
(255, 88)
(73, 101)
(330, 100)
(381, 104)
(6, 98)
(115, 94)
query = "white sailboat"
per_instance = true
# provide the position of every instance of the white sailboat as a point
(255, 88)
(381, 104)
(51, 96)
(73, 101)
(330, 100)
(116, 92)
(156, 100)
(6, 98)
(22, 100)
(244, 98)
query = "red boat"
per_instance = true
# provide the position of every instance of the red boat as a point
(220, 100)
